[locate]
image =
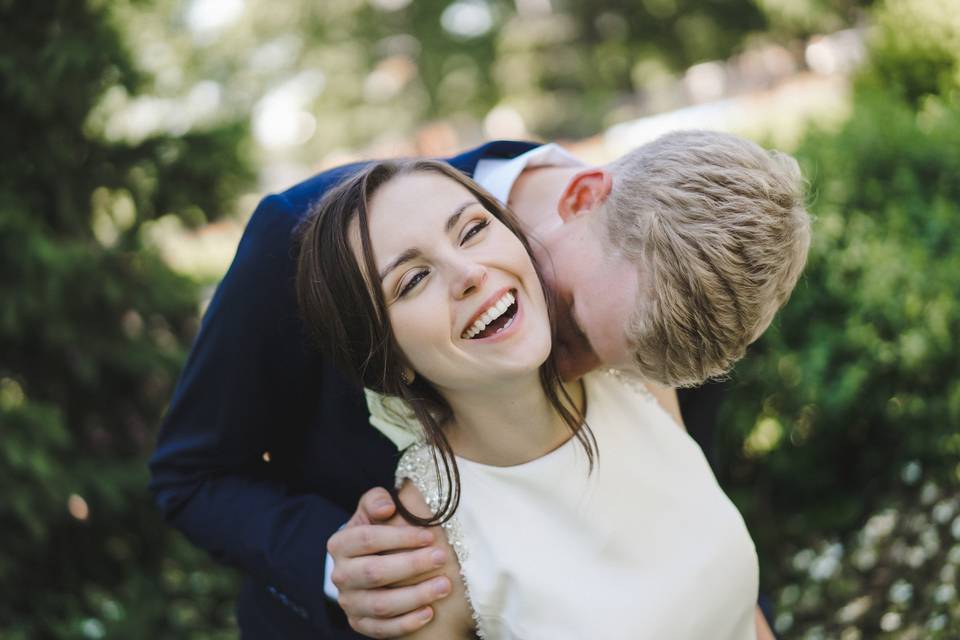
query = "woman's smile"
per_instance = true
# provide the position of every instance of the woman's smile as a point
(456, 278)
(495, 317)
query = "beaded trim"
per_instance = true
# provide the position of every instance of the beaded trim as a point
(419, 466)
(632, 382)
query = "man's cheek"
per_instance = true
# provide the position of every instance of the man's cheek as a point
(576, 365)
(574, 358)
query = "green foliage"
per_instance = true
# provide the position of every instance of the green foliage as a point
(915, 49)
(895, 577)
(860, 373)
(793, 18)
(93, 329)
(380, 70)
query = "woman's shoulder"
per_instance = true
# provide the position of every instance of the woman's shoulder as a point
(420, 464)
(454, 617)
(610, 384)
(617, 393)
(422, 492)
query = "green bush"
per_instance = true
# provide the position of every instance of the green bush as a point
(93, 330)
(857, 377)
(860, 371)
(915, 49)
(860, 374)
(894, 577)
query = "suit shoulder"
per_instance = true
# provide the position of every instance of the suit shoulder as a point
(303, 195)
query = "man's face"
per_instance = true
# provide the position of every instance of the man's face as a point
(596, 290)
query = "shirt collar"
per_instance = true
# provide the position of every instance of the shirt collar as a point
(498, 176)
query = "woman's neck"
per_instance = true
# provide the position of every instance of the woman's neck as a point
(509, 424)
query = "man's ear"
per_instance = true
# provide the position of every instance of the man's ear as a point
(585, 192)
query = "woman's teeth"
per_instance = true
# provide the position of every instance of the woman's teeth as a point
(496, 310)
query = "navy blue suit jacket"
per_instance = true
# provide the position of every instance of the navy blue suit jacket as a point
(253, 386)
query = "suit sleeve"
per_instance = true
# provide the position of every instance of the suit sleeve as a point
(249, 379)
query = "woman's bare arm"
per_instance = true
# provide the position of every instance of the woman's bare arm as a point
(452, 615)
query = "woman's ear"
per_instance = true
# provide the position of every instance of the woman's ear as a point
(585, 192)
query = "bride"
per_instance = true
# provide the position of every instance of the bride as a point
(419, 284)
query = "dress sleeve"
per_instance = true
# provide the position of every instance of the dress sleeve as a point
(419, 464)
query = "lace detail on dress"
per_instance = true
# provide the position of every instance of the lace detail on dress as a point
(632, 382)
(636, 385)
(418, 464)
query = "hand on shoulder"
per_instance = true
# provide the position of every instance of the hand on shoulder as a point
(383, 569)
(453, 617)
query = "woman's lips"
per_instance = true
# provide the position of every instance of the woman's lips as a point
(506, 296)
(508, 330)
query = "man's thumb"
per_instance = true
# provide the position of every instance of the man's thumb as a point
(376, 505)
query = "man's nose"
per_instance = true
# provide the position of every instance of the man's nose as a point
(470, 279)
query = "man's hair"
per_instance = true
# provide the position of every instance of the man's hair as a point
(718, 228)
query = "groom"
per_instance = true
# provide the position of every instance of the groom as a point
(266, 450)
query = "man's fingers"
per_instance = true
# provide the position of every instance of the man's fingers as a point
(394, 602)
(392, 627)
(368, 539)
(376, 505)
(373, 571)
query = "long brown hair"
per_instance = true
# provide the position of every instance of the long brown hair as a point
(347, 315)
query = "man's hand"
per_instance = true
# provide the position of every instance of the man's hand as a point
(383, 568)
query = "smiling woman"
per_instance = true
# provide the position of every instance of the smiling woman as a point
(415, 281)
(460, 303)
(451, 273)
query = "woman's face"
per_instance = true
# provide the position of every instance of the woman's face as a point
(462, 294)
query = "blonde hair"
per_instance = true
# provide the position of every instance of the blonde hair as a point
(719, 230)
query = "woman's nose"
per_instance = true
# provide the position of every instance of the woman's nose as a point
(469, 280)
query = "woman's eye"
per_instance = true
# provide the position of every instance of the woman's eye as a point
(417, 277)
(474, 230)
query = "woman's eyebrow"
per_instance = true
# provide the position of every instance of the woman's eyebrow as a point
(411, 254)
(452, 220)
(406, 256)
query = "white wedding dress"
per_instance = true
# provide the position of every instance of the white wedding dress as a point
(647, 546)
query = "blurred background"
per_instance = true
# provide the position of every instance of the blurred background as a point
(138, 136)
